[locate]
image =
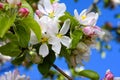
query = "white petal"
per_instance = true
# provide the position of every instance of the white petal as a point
(59, 10)
(65, 27)
(83, 12)
(33, 38)
(66, 41)
(41, 9)
(76, 14)
(53, 40)
(43, 51)
(48, 6)
(56, 48)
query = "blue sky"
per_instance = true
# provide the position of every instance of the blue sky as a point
(96, 63)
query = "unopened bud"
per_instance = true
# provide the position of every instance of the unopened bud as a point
(88, 30)
(1, 5)
(109, 75)
(23, 12)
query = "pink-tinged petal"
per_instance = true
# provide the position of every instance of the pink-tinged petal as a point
(8, 75)
(56, 48)
(15, 74)
(88, 31)
(59, 10)
(66, 41)
(48, 6)
(43, 50)
(65, 27)
(41, 9)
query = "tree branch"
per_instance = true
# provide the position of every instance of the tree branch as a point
(64, 74)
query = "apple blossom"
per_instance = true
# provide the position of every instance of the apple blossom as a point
(94, 31)
(54, 10)
(59, 37)
(13, 76)
(86, 18)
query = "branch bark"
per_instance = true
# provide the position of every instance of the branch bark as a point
(62, 72)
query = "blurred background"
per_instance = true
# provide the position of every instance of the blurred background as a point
(108, 54)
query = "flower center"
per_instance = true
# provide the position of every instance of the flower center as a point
(44, 39)
(51, 14)
(59, 35)
(83, 17)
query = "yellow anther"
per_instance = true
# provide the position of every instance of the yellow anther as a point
(51, 14)
(44, 39)
(83, 17)
(59, 35)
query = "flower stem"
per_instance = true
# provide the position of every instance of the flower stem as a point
(63, 73)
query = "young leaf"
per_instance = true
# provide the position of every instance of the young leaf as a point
(73, 21)
(19, 60)
(23, 35)
(47, 63)
(5, 22)
(89, 74)
(32, 24)
(10, 49)
(76, 36)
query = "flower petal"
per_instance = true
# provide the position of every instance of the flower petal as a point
(76, 14)
(33, 38)
(48, 6)
(65, 27)
(59, 10)
(83, 12)
(66, 41)
(56, 47)
(43, 51)
(41, 9)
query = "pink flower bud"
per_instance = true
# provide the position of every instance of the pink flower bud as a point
(88, 30)
(109, 75)
(38, 13)
(1, 5)
(23, 12)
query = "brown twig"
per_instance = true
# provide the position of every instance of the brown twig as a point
(59, 70)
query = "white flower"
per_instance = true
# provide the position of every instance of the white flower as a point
(86, 18)
(93, 31)
(54, 10)
(13, 76)
(58, 37)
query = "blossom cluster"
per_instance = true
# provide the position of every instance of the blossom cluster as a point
(15, 75)
(48, 17)
(22, 12)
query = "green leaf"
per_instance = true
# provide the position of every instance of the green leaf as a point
(47, 63)
(32, 24)
(23, 35)
(18, 60)
(26, 5)
(73, 21)
(76, 36)
(10, 49)
(89, 74)
(5, 22)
